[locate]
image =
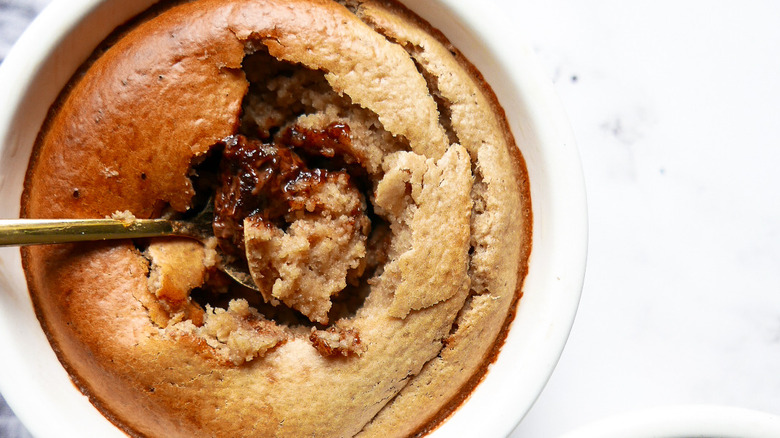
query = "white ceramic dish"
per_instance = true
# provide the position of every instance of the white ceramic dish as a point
(59, 40)
(688, 421)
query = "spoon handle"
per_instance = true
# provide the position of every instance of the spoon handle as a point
(20, 232)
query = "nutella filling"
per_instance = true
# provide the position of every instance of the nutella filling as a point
(269, 199)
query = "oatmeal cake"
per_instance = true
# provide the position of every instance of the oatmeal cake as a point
(360, 171)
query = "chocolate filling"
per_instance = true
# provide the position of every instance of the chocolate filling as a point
(300, 171)
(271, 181)
(273, 184)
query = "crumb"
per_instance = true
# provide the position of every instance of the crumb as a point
(237, 334)
(124, 216)
(337, 341)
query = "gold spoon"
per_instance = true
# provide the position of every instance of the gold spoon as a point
(22, 232)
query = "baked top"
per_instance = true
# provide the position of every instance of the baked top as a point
(441, 263)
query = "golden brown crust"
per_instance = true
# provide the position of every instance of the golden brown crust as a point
(145, 147)
(134, 154)
(500, 223)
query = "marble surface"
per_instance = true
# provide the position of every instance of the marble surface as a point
(675, 106)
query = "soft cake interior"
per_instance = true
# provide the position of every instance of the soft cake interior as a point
(312, 239)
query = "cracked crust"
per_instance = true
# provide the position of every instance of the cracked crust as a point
(158, 99)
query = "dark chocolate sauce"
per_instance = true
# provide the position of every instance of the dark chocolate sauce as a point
(263, 180)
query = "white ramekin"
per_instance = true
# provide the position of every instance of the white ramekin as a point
(39, 390)
(684, 421)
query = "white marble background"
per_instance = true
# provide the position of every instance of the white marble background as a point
(676, 107)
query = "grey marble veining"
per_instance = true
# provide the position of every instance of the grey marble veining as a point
(10, 426)
(674, 105)
(15, 15)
